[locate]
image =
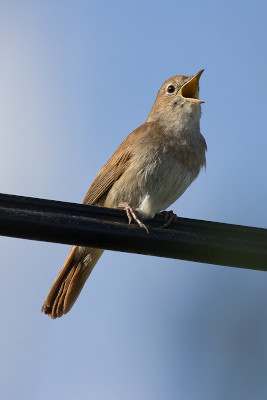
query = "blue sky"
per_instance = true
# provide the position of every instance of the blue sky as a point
(75, 79)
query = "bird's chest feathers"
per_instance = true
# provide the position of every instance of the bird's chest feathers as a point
(162, 183)
(164, 164)
(169, 167)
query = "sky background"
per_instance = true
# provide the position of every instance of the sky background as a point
(75, 79)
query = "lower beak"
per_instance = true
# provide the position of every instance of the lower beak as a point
(190, 89)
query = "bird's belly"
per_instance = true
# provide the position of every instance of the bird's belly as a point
(152, 187)
(160, 195)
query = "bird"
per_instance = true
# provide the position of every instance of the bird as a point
(149, 171)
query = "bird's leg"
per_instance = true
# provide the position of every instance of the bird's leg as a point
(132, 214)
(169, 217)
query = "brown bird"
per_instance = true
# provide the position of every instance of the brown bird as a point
(150, 170)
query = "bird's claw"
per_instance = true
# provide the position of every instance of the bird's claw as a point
(169, 218)
(132, 214)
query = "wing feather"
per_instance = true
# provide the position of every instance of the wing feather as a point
(106, 177)
(116, 165)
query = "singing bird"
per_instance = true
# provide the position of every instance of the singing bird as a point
(150, 170)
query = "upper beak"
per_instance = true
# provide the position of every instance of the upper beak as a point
(190, 89)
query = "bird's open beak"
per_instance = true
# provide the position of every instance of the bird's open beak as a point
(190, 89)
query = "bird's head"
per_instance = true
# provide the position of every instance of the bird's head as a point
(178, 95)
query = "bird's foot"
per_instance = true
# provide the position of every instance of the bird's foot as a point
(169, 218)
(132, 214)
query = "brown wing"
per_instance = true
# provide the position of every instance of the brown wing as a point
(115, 166)
(105, 178)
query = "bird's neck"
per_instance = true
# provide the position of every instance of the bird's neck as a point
(183, 122)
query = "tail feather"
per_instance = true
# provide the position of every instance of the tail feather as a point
(70, 280)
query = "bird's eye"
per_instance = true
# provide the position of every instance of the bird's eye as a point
(170, 89)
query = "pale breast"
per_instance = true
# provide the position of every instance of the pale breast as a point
(160, 196)
(163, 163)
(152, 184)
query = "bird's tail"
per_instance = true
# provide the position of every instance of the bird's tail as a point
(70, 280)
